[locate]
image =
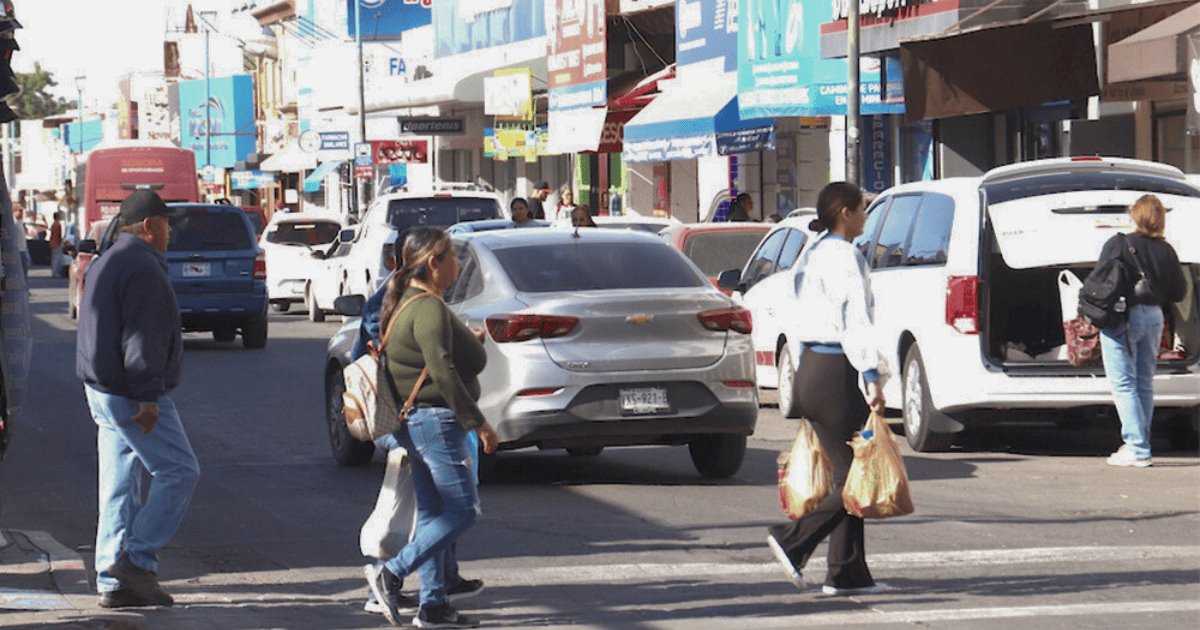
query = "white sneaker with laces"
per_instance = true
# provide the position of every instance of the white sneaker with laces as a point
(874, 589)
(788, 568)
(1125, 457)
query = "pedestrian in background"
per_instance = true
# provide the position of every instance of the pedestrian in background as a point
(521, 214)
(18, 214)
(129, 356)
(582, 217)
(1130, 348)
(743, 205)
(835, 296)
(537, 201)
(427, 336)
(57, 266)
(566, 205)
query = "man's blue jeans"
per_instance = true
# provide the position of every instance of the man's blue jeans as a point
(447, 499)
(127, 523)
(1130, 352)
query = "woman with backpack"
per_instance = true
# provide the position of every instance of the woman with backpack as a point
(1130, 346)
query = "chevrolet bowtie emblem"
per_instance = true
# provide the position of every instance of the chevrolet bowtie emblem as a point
(640, 318)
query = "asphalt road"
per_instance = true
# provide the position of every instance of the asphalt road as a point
(1025, 525)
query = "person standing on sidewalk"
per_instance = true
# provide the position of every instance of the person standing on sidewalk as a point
(129, 356)
(1130, 348)
(425, 335)
(835, 295)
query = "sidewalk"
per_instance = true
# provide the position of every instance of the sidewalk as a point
(43, 583)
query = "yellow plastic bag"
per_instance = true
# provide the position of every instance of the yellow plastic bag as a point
(877, 485)
(804, 474)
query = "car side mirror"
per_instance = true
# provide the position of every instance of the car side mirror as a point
(87, 246)
(730, 280)
(346, 236)
(349, 305)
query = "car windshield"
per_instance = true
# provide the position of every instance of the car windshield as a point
(584, 266)
(440, 211)
(311, 233)
(714, 252)
(200, 229)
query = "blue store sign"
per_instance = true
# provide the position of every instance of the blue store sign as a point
(388, 18)
(706, 29)
(219, 130)
(461, 26)
(252, 180)
(335, 141)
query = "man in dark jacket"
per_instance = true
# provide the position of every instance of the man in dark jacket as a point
(129, 356)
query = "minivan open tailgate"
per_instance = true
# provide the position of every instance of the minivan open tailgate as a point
(1071, 228)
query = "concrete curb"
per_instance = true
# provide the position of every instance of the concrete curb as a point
(66, 567)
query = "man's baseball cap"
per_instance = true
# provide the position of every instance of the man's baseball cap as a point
(142, 204)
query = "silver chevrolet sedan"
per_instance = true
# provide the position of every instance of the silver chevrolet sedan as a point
(595, 338)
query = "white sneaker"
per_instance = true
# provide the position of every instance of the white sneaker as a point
(874, 589)
(1125, 457)
(788, 568)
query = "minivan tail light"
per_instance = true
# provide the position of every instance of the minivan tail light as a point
(962, 304)
(260, 266)
(511, 327)
(389, 256)
(736, 319)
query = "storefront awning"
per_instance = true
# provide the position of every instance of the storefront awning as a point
(690, 121)
(315, 179)
(1157, 51)
(292, 159)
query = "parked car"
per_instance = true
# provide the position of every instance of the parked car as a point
(217, 270)
(82, 254)
(965, 274)
(288, 242)
(328, 276)
(608, 338)
(715, 247)
(370, 257)
(764, 284)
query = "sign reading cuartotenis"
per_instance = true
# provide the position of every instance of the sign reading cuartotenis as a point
(426, 126)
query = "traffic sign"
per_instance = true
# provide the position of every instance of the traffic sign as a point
(362, 154)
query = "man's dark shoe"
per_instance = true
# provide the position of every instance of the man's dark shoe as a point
(443, 616)
(123, 598)
(386, 588)
(464, 589)
(142, 582)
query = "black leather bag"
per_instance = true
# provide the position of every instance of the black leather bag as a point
(1143, 291)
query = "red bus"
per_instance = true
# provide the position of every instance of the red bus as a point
(112, 173)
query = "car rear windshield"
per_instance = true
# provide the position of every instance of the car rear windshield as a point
(714, 252)
(584, 266)
(1057, 183)
(650, 228)
(199, 229)
(440, 211)
(311, 233)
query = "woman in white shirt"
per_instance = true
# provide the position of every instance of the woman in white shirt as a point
(835, 297)
(566, 205)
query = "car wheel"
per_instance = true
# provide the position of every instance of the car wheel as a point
(718, 456)
(585, 451)
(789, 406)
(315, 314)
(918, 408)
(347, 450)
(224, 333)
(281, 306)
(254, 334)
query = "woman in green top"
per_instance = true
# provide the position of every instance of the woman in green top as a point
(425, 334)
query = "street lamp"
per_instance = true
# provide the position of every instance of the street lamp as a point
(79, 81)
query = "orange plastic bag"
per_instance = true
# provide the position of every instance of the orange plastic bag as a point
(804, 474)
(877, 485)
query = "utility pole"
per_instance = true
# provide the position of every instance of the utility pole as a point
(361, 187)
(207, 102)
(79, 93)
(854, 94)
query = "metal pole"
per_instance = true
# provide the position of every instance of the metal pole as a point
(79, 91)
(362, 187)
(854, 95)
(207, 105)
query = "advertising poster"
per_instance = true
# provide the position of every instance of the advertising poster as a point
(706, 29)
(221, 131)
(388, 18)
(576, 53)
(388, 152)
(461, 26)
(508, 94)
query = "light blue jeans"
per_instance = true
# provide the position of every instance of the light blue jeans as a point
(447, 499)
(126, 522)
(1130, 353)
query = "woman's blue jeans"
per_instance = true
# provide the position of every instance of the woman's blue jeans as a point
(447, 498)
(1130, 352)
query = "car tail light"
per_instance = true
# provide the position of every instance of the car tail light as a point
(260, 266)
(389, 256)
(962, 304)
(524, 326)
(736, 319)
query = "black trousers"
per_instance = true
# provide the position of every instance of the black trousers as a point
(827, 389)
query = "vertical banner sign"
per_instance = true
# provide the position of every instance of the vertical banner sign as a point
(1193, 117)
(876, 154)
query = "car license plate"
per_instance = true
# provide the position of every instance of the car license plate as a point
(644, 400)
(197, 270)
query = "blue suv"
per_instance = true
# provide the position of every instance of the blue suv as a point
(218, 272)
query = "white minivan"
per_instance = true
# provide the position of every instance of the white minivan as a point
(966, 275)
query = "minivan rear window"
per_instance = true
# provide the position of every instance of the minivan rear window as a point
(1057, 183)
(714, 252)
(595, 266)
(311, 233)
(199, 229)
(440, 211)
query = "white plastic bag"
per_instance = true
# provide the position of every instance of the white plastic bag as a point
(394, 521)
(1069, 285)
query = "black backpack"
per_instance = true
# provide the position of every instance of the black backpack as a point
(1102, 300)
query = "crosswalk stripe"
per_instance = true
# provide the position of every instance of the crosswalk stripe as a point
(862, 618)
